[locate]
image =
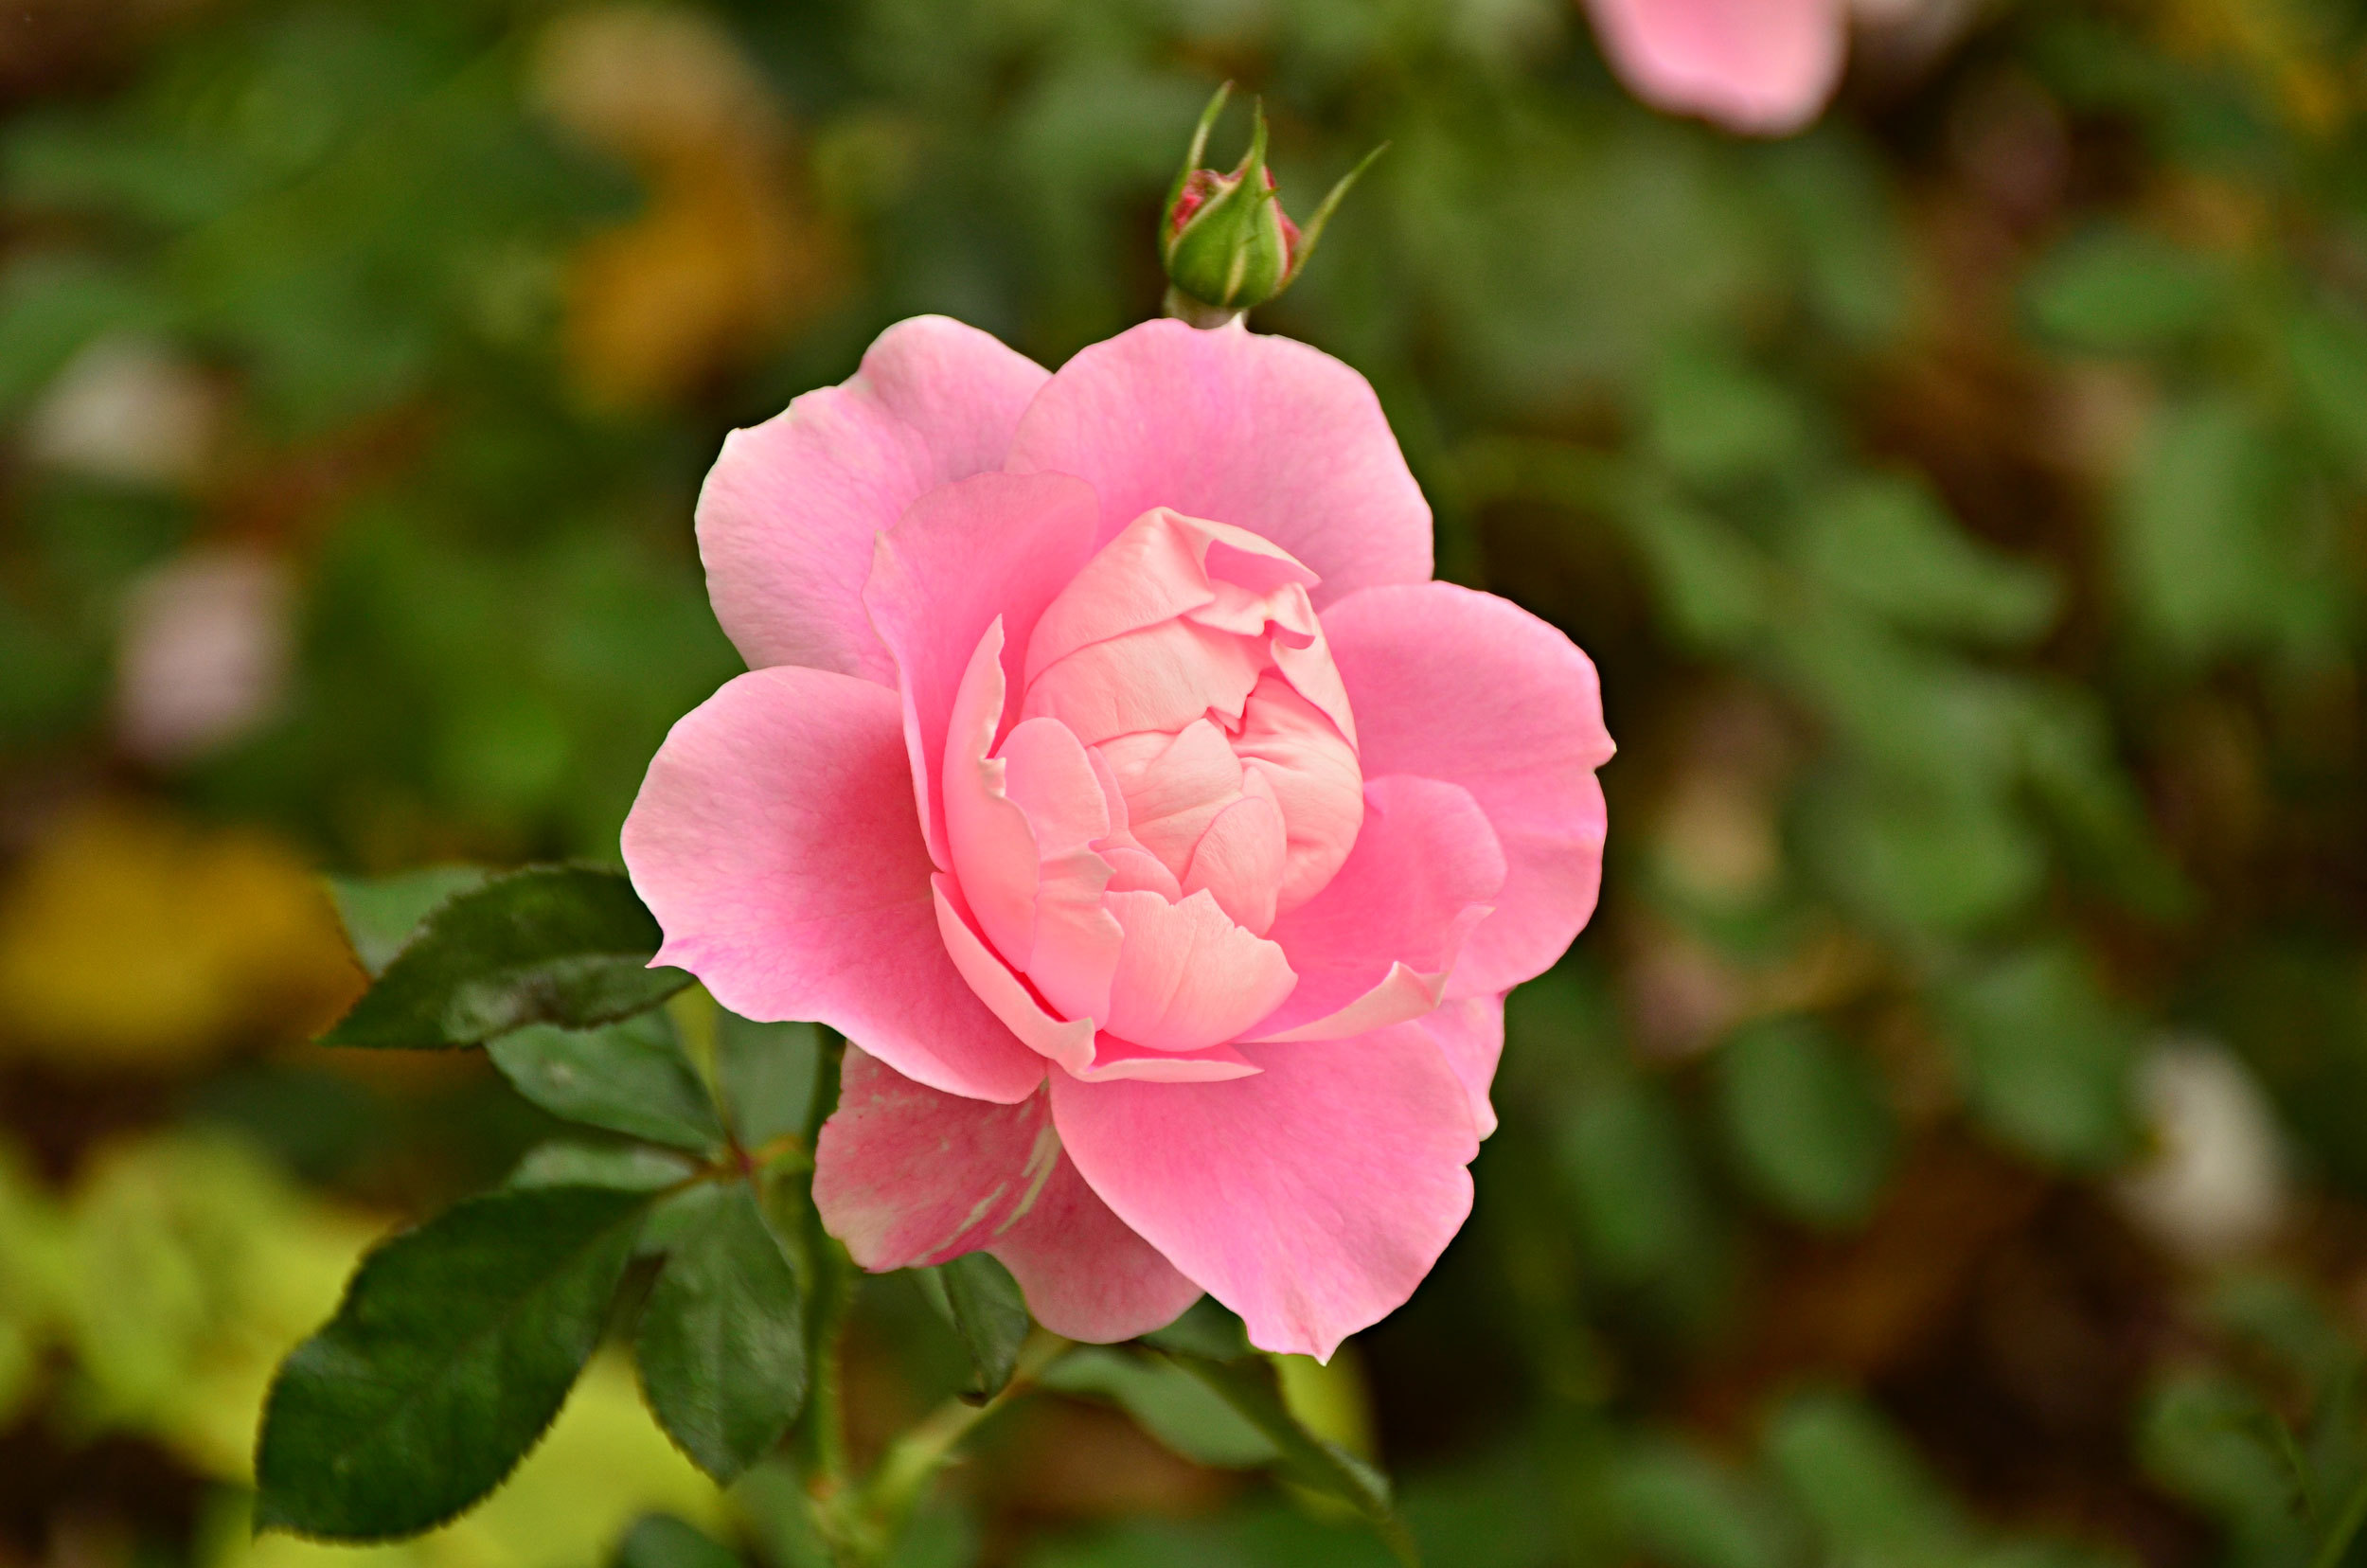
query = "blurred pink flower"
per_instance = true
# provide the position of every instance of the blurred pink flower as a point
(204, 653)
(1113, 774)
(1764, 67)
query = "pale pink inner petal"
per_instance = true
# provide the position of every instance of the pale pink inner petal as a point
(1315, 779)
(1240, 858)
(1068, 1042)
(1187, 975)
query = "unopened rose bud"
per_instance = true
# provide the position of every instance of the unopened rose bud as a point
(1225, 240)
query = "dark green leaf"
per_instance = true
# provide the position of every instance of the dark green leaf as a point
(661, 1540)
(1683, 1509)
(381, 913)
(453, 1348)
(1808, 1120)
(721, 1342)
(1862, 1487)
(765, 1072)
(629, 1077)
(568, 945)
(988, 1312)
(1251, 1388)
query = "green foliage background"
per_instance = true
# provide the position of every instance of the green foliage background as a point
(1962, 501)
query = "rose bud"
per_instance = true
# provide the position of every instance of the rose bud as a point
(1225, 240)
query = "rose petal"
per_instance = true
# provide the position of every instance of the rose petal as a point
(788, 514)
(775, 841)
(907, 1176)
(1761, 66)
(1310, 1199)
(1235, 427)
(1471, 1033)
(1068, 1042)
(959, 559)
(1084, 1273)
(1187, 978)
(1376, 947)
(1463, 687)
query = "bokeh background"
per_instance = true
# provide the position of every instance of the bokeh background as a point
(1949, 1145)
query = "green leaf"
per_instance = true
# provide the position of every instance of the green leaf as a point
(983, 1304)
(2046, 1058)
(453, 1348)
(628, 1078)
(2115, 288)
(1206, 1328)
(1862, 1487)
(381, 914)
(1714, 586)
(661, 1540)
(1715, 421)
(2203, 546)
(765, 1072)
(631, 1167)
(1807, 1119)
(1686, 1509)
(1168, 1402)
(721, 1341)
(1252, 1389)
(568, 945)
(1888, 546)
(2328, 350)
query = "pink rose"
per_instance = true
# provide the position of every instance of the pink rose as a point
(1111, 771)
(1764, 67)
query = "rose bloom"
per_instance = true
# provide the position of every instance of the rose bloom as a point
(1764, 67)
(1112, 775)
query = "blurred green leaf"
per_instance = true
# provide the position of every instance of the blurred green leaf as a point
(1715, 421)
(1868, 1497)
(51, 305)
(1714, 585)
(2207, 548)
(2328, 352)
(1887, 546)
(1687, 1510)
(1250, 1387)
(1808, 1118)
(1170, 1403)
(628, 1078)
(566, 945)
(453, 1348)
(721, 1341)
(631, 1167)
(2046, 1059)
(1206, 1328)
(2118, 288)
(661, 1540)
(381, 914)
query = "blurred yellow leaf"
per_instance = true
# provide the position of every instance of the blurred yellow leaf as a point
(726, 254)
(129, 937)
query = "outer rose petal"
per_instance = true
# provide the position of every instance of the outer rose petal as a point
(1083, 1272)
(1761, 66)
(905, 1175)
(788, 514)
(1376, 947)
(996, 547)
(1310, 1199)
(1467, 687)
(775, 841)
(1260, 431)
(1471, 1033)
